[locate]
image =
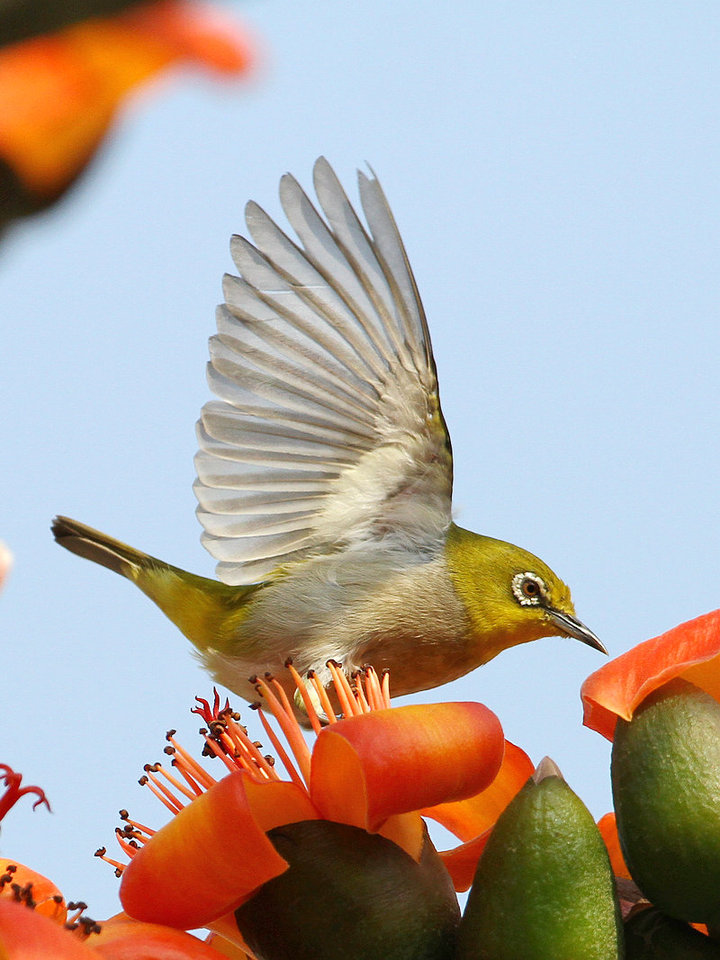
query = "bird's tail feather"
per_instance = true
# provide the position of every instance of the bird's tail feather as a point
(93, 545)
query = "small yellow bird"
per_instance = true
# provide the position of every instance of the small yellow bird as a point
(325, 473)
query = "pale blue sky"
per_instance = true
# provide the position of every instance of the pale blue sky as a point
(554, 171)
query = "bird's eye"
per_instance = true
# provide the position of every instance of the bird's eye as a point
(529, 589)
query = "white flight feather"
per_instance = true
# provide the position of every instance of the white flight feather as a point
(327, 435)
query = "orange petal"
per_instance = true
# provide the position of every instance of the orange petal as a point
(691, 651)
(461, 862)
(26, 935)
(608, 831)
(213, 855)
(470, 817)
(366, 768)
(46, 896)
(195, 32)
(129, 940)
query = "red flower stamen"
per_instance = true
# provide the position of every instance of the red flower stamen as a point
(343, 689)
(323, 698)
(306, 696)
(280, 751)
(101, 852)
(181, 788)
(138, 828)
(164, 796)
(189, 763)
(281, 709)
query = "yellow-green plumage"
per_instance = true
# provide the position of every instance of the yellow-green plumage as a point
(325, 474)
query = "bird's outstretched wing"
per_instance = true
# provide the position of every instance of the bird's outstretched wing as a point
(328, 432)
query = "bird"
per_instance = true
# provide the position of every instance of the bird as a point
(325, 471)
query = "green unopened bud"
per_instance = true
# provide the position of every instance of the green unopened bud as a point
(351, 894)
(666, 786)
(543, 889)
(651, 935)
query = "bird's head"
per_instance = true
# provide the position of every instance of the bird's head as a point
(510, 595)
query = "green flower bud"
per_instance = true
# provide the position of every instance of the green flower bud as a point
(543, 889)
(666, 786)
(353, 895)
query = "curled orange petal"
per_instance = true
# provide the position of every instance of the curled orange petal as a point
(470, 817)
(366, 768)
(691, 651)
(212, 856)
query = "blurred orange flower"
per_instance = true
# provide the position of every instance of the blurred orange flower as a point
(59, 93)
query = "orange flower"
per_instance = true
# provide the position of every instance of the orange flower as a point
(60, 92)
(375, 770)
(34, 918)
(690, 651)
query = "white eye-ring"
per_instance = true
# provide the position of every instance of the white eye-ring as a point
(529, 589)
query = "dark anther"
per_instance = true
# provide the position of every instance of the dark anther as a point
(123, 814)
(100, 852)
(253, 679)
(255, 706)
(142, 781)
(170, 734)
(288, 662)
(169, 751)
(310, 674)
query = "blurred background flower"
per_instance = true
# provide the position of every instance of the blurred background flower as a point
(61, 91)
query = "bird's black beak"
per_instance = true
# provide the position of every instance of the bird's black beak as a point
(570, 626)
